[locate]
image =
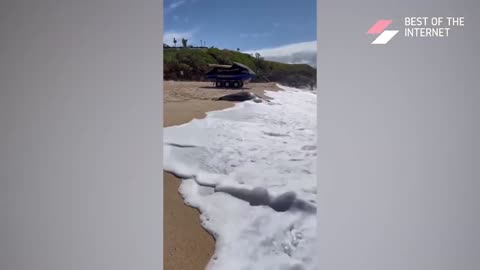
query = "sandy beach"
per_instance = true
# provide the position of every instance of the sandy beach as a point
(187, 246)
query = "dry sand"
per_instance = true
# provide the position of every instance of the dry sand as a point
(187, 246)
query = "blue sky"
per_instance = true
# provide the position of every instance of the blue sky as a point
(271, 27)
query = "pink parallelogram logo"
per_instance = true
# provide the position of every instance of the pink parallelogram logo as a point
(385, 35)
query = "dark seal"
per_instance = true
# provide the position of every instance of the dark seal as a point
(239, 96)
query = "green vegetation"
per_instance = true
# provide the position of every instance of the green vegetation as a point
(191, 64)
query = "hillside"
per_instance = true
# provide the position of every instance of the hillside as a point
(190, 64)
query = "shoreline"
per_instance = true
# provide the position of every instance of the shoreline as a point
(187, 245)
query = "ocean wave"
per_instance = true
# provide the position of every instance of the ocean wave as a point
(251, 172)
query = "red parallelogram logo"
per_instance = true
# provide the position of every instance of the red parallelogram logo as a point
(385, 35)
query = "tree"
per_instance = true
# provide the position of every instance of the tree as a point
(238, 49)
(263, 68)
(184, 42)
(175, 42)
(259, 63)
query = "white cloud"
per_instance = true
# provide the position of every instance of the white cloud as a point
(254, 35)
(296, 53)
(168, 37)
(174, 5)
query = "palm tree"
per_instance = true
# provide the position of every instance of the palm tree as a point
(175, 42)
(184, 42)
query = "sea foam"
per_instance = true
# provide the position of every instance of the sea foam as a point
(250, 170)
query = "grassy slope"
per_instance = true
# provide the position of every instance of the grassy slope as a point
(192, 64)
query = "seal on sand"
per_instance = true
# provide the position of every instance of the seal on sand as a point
(239, 96)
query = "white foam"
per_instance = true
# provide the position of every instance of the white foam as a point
(261, 159)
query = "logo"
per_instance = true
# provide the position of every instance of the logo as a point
(385, 35)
